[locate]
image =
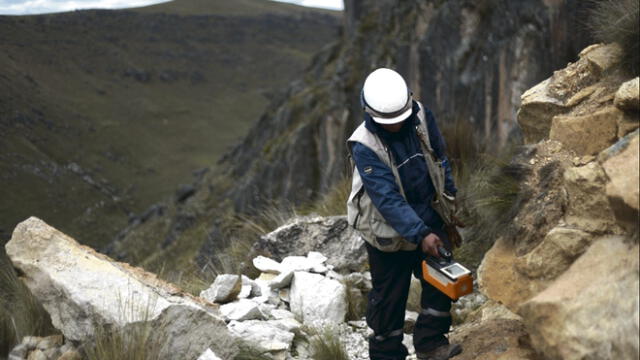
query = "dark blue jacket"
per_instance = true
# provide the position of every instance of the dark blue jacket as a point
(413, 218)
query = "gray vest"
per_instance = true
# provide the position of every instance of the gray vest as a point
(363, 216)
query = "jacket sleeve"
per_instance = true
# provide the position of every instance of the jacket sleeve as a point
(380, 185)
(439, 147)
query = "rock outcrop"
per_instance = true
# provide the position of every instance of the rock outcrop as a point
(330, 236)
(85, 291)
(568, 264)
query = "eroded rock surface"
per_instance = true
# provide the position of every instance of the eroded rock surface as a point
(83, 290)
(591, 311)
(568, 264)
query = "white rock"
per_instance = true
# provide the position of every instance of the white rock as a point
(315, 298)
(255, 288)
(267, 265)
(263, 334)
(316, 257)
(291, 325)
(313, 262)
(282, 280)
(279, 314)
(319, 269)
(266, 309)
(241, 310)
(225, 288)
(83, 290)
(267, 295)
(297, 263)
(284, 295)
(208, 355)
(245, 292)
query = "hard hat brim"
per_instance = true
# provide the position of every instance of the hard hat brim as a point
(394, 120)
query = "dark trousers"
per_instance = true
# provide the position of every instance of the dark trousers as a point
(391, 277)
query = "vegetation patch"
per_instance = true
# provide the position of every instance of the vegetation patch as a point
(619, 21)
(326, 344)
(20, 312)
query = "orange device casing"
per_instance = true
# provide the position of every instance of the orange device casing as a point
(454, 289)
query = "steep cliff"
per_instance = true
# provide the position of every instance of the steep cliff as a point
(468, 61)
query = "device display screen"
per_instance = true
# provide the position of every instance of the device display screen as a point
(455, 270)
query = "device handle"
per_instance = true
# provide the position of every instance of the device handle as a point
(446, 254)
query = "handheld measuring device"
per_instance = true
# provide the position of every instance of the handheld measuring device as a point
(446, 275)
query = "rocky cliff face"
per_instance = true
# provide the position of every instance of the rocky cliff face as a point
(464, 60)
(568, 263)
(469, 61)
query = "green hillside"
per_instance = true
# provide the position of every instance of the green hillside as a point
(102, 113)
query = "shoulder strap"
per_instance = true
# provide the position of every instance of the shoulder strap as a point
(436, 172)
(423, 132)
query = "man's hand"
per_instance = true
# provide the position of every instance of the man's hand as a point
(430, 244)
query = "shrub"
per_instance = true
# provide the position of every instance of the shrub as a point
(618, 21)
(20, 312)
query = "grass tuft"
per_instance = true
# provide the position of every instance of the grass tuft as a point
(136, 342)
(334, 202)
(489, 199)
(20, 312)
(326, 345)
(619, 21)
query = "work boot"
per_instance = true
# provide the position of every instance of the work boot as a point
(442, 352)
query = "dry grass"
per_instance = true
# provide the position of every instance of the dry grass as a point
(618, 21)
(132, 344)
(20, 313)
(137, 342)
(488, 182)
(326, 345)
(334, 202)
(489, 199)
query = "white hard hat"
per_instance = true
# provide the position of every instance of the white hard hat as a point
(386, 97)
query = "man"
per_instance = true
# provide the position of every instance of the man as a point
(390, 206)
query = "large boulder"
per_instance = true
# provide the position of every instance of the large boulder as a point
(493, 333)
(330, 236)
(499, 279)
(588, 208)
(620, 163)
(318, 299)
(587, 134)
(591, 311)
(83, 290)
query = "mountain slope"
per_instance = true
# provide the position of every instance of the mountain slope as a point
(104, 112)
(467, 61)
